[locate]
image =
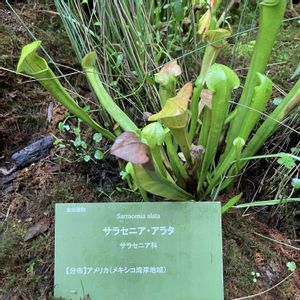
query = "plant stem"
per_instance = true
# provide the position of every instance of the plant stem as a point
(269, 126)
(271, 14)
(221, 81)
(181, 137)
(156, 154)
(195, 107)
(177, 167)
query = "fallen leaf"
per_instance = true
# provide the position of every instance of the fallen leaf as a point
(53, 168)
(128, 147)
(38, 228)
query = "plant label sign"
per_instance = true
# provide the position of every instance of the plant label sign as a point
(139, 251)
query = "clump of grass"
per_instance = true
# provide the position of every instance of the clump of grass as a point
(10, 238)
(132, 39)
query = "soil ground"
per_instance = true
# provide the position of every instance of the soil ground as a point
(26, 267)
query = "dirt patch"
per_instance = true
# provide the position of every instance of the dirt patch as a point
(247, 250)
(23, 106)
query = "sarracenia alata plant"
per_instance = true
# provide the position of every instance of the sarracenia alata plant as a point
(198, 142)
